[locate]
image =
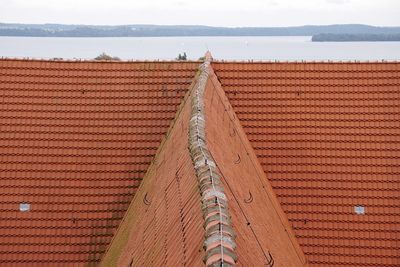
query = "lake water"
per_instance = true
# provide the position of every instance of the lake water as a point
(229, 48)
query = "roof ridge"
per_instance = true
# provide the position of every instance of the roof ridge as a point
(270, 61)
(219, 240)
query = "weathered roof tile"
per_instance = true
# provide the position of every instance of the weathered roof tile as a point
(76, 140)
(326, 135)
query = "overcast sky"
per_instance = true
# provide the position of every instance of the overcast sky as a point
(202, 12)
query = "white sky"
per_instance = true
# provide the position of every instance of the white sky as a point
(202, 12)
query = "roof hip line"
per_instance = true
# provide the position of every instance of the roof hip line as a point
(219, 242)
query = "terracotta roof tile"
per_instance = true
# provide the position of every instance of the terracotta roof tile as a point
(76, 139)
(163, 225)
(327, 137)
(186, 196)
(264, 235)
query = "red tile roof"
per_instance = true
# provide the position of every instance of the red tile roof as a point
(163, 225)
(328, 138)
(76, 139)
(264, 235)
(162, 236)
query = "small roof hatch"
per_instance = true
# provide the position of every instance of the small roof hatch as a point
(24, 207)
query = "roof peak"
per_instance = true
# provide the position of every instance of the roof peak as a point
(208, 57)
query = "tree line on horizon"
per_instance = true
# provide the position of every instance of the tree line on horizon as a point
(329, 37)
(60, 30)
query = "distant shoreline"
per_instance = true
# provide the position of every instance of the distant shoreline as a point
(62, 30)
(328, 37)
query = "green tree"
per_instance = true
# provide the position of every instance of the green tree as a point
(104, 56)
